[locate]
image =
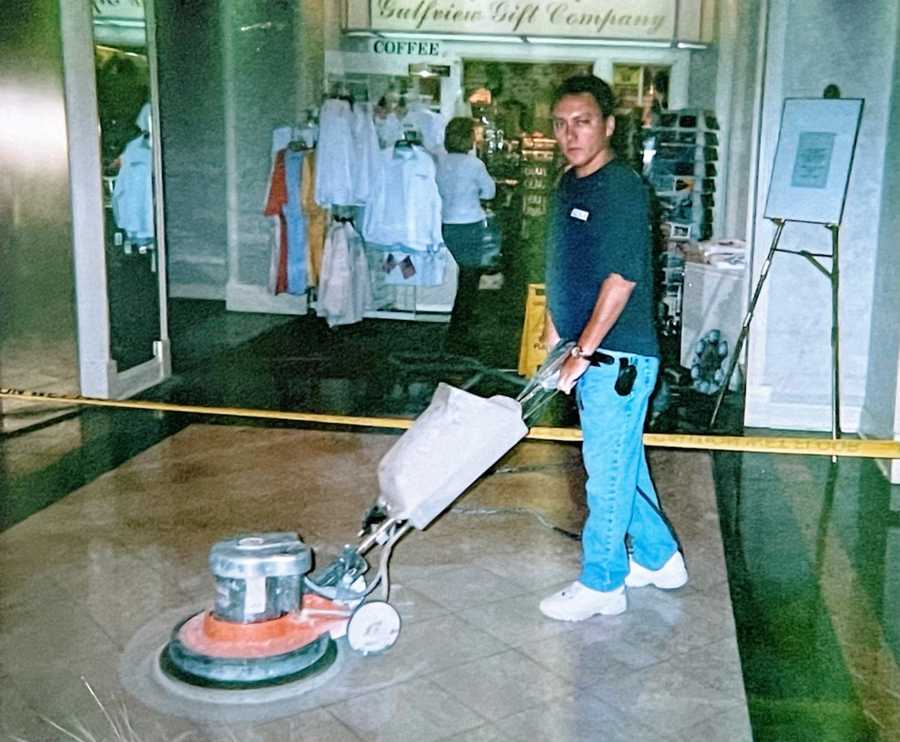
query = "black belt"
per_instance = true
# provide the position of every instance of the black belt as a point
(627, 370)
(598, 358)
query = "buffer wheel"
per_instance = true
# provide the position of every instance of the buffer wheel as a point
(373, 627)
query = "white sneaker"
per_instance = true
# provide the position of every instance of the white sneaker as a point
(671, 575)
(578, 602)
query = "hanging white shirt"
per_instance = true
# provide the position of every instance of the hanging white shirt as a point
(389, 129)
(366, 149)
(344, 290)
(336, 153)
(463, 181)
(429, 124)
(405, 206)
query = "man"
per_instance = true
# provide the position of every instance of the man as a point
(600, 295)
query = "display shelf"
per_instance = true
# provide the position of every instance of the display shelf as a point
(538, 155)
(682, 156)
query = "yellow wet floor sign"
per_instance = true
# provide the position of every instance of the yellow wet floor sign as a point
(531, 350)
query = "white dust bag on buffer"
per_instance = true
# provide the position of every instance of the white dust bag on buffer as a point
(447, 448)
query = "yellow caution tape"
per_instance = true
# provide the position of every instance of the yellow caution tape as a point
(874, 449)
(870, 449)
(134, 404)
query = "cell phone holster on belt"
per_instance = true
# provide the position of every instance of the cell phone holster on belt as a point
(626, 377)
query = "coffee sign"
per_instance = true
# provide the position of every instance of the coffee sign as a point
(414, 48)
(631, 19)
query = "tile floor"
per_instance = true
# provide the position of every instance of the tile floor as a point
(475, 662)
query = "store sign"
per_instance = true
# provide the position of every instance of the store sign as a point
(421, 48)
(119, 9)
(609, 19)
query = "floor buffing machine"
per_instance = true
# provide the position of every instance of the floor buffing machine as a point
(272, 623)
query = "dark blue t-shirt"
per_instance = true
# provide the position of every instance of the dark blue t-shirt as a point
(599, 225)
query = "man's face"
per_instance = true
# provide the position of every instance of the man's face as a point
(583, 132)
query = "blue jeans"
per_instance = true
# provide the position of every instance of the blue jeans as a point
(616, 465)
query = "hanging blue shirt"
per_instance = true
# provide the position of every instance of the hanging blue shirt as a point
(132, 200)
(296, 223)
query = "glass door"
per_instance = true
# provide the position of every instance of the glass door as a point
(128, 160)
(115, 185)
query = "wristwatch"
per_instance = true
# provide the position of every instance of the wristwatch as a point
(578, 352)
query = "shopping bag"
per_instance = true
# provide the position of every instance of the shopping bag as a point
(531, 350)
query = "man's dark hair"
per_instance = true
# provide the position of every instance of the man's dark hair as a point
(593, 86)
(459, 136)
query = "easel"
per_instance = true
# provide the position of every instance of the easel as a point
(834, 276)
(809, 181)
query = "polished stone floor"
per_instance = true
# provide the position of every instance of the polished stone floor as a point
(475, 660)
(812, 552)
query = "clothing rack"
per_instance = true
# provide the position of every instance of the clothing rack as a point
(391, 300)
(351, 88)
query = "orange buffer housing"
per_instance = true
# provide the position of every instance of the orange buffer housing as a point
(210, 636)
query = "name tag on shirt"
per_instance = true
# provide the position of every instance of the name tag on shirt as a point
(579, 214)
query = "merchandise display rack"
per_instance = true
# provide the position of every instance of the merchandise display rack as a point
(683, 170)
(538, 155)
(681, 167)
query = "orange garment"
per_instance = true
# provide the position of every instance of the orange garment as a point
(316, 220)
(274, 203)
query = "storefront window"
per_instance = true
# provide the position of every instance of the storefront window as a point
(303, 187)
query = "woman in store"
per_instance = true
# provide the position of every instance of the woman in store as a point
(463, 182)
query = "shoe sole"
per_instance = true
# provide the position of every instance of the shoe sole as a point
(614, 610)
(673, 584)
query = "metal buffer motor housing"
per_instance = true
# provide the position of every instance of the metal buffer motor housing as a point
(258, 577)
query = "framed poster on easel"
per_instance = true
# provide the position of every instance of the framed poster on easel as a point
(809, 182)
(813, 159)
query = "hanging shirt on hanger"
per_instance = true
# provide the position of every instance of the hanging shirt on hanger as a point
(334, 176)
(366, 148)
(428, 124)
(276, 198)
(295, 220)
(389, 130)
(344, 289)
(405, 207)
(316, 219)
(132, 199)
